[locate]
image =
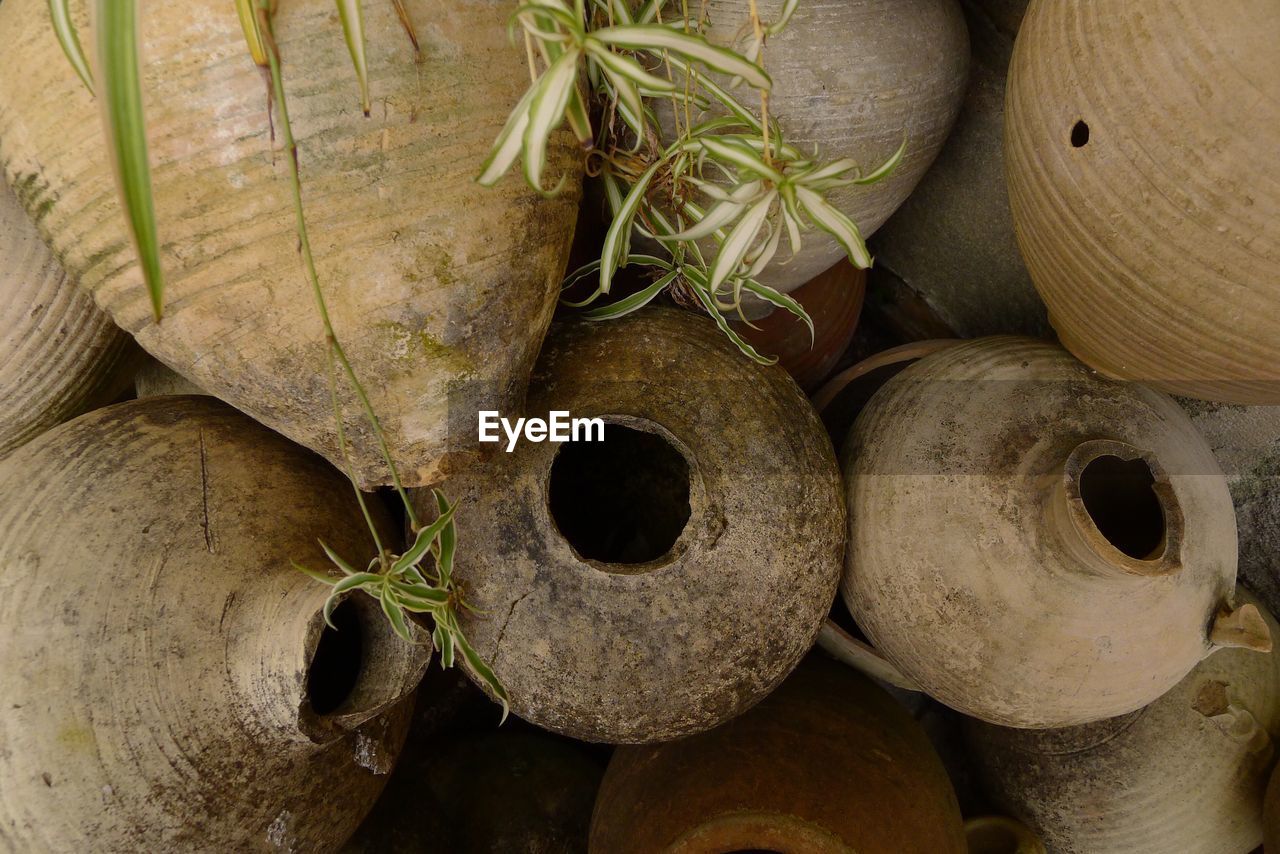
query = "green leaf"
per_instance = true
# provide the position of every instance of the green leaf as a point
(448, 542)
(726, 150)
(507, 146)
(631, 303)
(395, 614)
(835, 223)
(352, 14)
(322, 577)
(655, 37)
(721, 214)
(885, 169)
(546, 111)
(351, 582)
(65, 30)
(788, 9)
(116, 45)
(252, 35)
(626, 67)
(422, 542)
(483, 672)
(618, 238)
(444, 643)
(709, 304)
(739, 241)
(781, 300)
(347, 568)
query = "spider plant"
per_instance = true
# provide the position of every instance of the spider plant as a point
(717, 197)
(419, 580)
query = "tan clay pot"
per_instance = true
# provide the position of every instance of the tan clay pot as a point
(834, 303)
(167, 679)
(1032, 544)
(59, 354)
(664, 580)
(1140, 141)
(486, 793)
(441, 290)
(827, 764)
(996, 834)
(155, 378)
(1184, 774)
(853, 77)
(1271, 813)
(952, 241)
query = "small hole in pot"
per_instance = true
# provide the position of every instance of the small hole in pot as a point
(335, 667)
(993, 838)
(1119, 498)
(1080, 134)
(622, 500)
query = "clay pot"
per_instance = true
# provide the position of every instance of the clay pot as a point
(664, 580)
(1010, 514)
(853, 77)
(827, 763)
(996, 834)
(1140, 143)
(1271, 813)
(59, 355)
(441, 290)
(483, 793)
(155, 378)
(834, 302)
(952, 241)
(1185, 774)
(169, 684)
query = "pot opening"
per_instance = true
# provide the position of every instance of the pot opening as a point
(335, 667)
(1080, 134)
(1120, 498)
(623, 500)
(994, 835)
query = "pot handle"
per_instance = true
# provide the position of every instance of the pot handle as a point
(1242, 628)
(997, 834)
(847, 649)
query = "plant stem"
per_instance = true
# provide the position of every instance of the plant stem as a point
(764, 93)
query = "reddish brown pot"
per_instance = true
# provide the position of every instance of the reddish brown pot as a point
(834, 302)
(828, 763)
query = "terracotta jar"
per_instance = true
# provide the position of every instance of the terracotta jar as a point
(1271, 813)
(441, 290)
(952, 241)
(1140, 142)
(59, 354)
(155, 378)
(853, 78)
(169, 683)
(1184, 774)
(827, 764)
(834, 302)
(484, 793)
(1010, 512)
(658, 582)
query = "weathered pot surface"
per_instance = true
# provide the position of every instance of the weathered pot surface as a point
(827, 764)
(998, 834)
(851, 78)
(1185, 774)
(155, 378)
(1140, 144)
(441, 290)
(168, 680)
(659, 582)
(1058, 504)
(1271, 813)
(59, 353)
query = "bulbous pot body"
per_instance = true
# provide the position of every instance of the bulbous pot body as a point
(59, 353)
(1034, 545)
(439, 289)
(168, 681)
(1186, 773)
(1139, 145)
(663, 580)
(854, 78)
(827, 764)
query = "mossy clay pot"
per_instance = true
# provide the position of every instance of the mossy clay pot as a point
(59, 354)
(661, 581)
(827, 764)
(440, 290)
(169, 683)
(853, 78)
(480, 793)
(1140, 142)
(1035, 545)
(1186, 773)
(952, 241)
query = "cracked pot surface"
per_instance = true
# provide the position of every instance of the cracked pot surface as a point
(666, 579)
(168, 682)
(439, 289)
(1186, 773)
(1031, 543)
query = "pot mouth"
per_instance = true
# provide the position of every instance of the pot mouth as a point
(996, 834)
(355, 669)
(759, 833)
(1122, 503)
(625, 503)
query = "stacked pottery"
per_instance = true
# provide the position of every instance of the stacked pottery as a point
(417, 261)
(1186, 773)
(1032, 544)
(827, 764)
(59, 355)
(952, 241)
(661, 581)
(169, 681)
(1140, 144)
